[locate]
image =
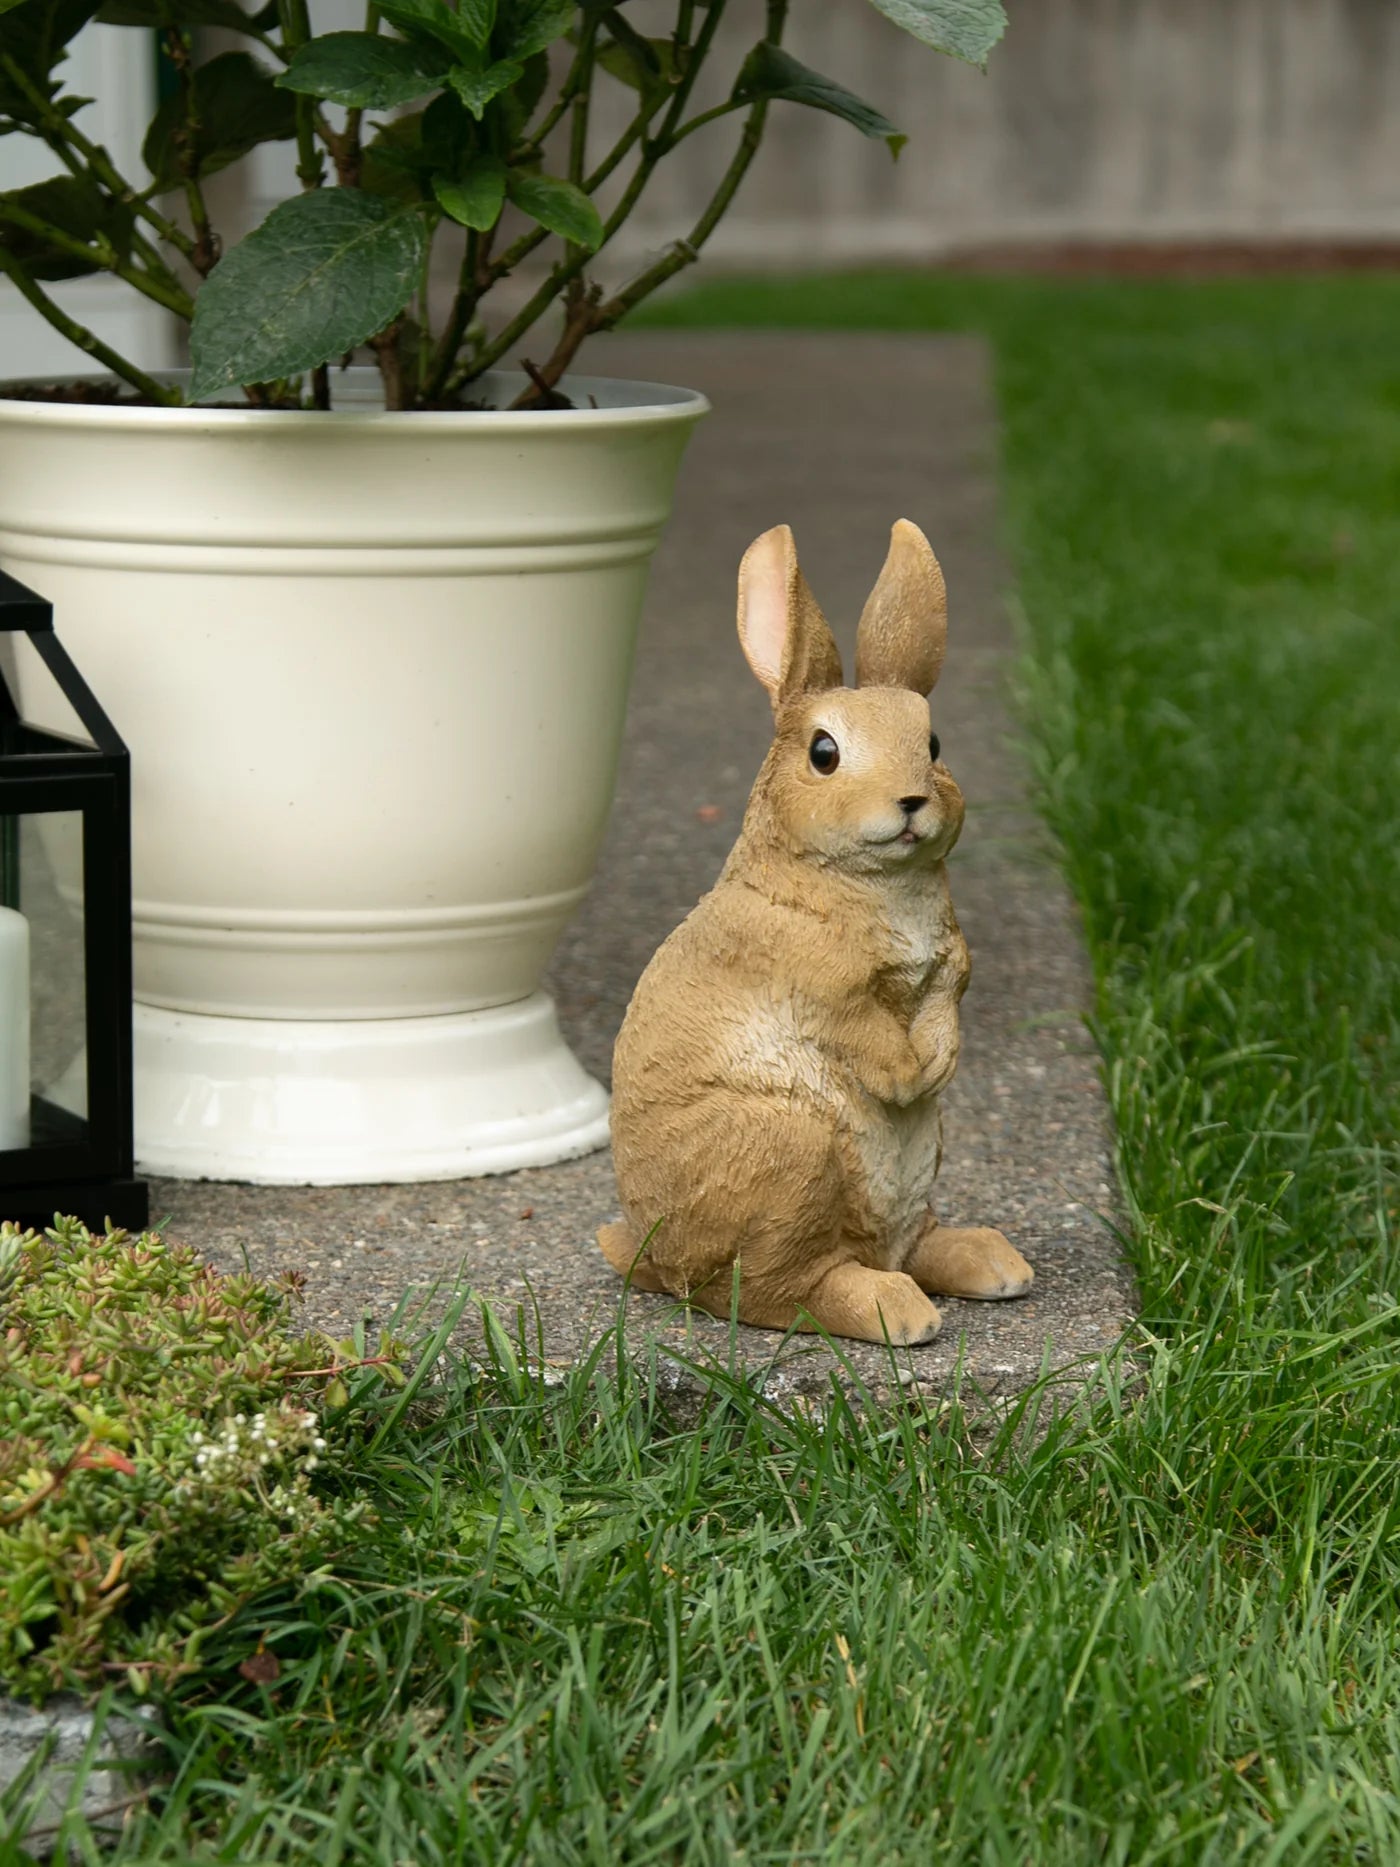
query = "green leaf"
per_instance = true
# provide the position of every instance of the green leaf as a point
(477, 17)
(37, 34)
(477, 88)
(153, 14)
(519, 102)
(364, 70)
(394, 163)
(558, 205)
(449, 135)
(434, 20)
(966, 28)
(324, 272)
(648, 65)
(237, 106)
(527, 26)
(768, 71)
(74, 205)
(476, 199)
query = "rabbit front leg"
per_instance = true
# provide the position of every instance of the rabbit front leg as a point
(936, 1040)
(881, 1055)
(968, 1261)
(958, 1261)
(871, 1306)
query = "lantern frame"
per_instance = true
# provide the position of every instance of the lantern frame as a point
(80, 1166)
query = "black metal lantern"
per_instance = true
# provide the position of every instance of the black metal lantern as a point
(65, 950)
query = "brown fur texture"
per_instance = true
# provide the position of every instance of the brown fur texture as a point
(777, 1078)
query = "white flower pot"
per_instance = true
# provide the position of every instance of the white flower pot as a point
(372, 670)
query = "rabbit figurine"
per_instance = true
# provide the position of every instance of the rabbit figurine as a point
(777, 1077)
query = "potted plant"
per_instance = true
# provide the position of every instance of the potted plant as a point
(368, 631)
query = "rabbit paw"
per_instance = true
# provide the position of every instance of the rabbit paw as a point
(969, 1261)
(872, 1306)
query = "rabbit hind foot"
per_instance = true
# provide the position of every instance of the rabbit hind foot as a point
(621, 1249)
(969, 1261)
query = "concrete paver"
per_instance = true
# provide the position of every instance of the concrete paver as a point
(837, 436)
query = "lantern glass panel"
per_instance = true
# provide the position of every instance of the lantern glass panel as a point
(43, 880)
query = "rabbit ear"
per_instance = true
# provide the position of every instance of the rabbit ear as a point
(904, 626)
(783, 633)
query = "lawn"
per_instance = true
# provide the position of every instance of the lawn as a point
(1166, 1632)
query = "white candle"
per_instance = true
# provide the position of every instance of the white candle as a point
(14, 1029)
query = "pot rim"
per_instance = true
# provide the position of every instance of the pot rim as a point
(622, 403)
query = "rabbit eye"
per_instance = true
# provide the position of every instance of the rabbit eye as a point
(933, 747)
(825, 754)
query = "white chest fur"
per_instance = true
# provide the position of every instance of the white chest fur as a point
(901, 1147)
(775, 1047)
(900, 1150)
(921, 929)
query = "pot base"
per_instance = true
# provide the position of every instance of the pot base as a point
(353, 1103)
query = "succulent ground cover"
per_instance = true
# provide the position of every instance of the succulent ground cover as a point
(1160, 1628)
(159, 1427)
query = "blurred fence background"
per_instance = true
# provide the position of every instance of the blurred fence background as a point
(1097, 120)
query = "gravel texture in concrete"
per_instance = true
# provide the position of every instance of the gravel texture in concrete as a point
(51, 1741)
(838, 436)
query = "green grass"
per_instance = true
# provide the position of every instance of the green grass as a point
(1165, 1633)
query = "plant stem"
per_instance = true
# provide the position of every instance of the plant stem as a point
(561, 275)
(146, 251)
(602, 317)
(583, 97)
(653, 149)
(68, 143)
(578, 148)
(463, 305)
(623, 147)
(521, 249)
(685, 252)
(103, 254)
(693, 63)
(205, 254)
(578, 324)
(706, 116)
(582, 56)
(386, 349)
(423, 360)
(348, 155)
(85, 339)
(473, 280)
(296, 30)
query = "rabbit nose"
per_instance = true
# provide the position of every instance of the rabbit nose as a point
(910, 804)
